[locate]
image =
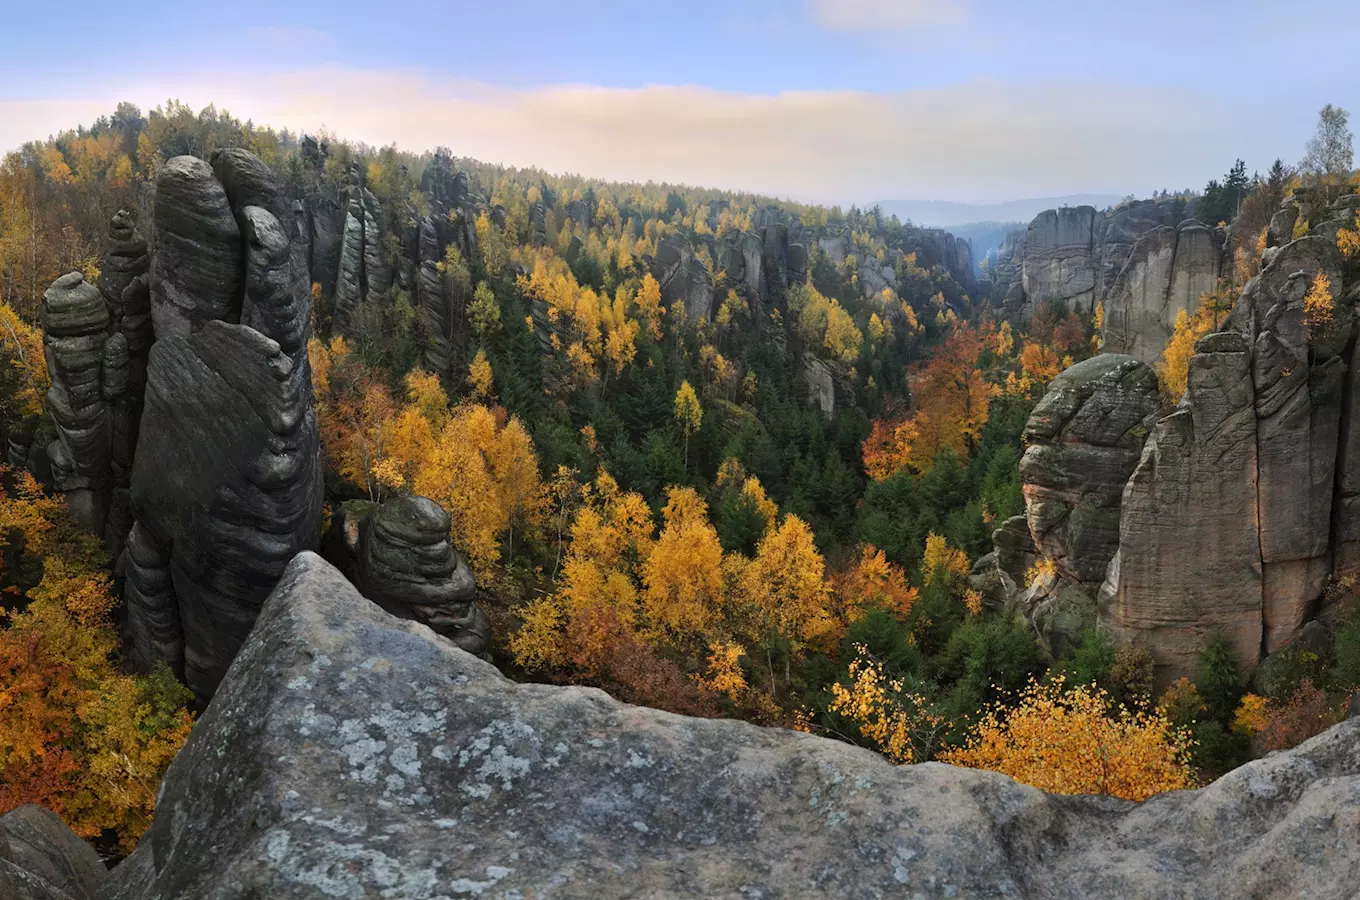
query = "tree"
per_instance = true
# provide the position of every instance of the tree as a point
(480, 377)
(77, 734)
(785, 591)
(484, 312)
(1331, 154)
(1174, 364)
(898, 722)
(688, 413)
(1076, 741)
(683, 573)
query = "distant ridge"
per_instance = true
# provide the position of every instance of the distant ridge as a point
(945, 213)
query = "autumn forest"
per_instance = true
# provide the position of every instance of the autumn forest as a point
(768, 507)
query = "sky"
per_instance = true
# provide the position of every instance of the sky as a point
(834, 101)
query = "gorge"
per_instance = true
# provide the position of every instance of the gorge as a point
(378, 444)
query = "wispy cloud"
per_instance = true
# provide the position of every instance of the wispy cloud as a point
(976, 141)
(886, 15)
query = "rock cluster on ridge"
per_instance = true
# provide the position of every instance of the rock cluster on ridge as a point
(1240, 505)
(352, 754)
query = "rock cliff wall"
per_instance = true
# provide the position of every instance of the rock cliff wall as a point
(1240, 507)
(1142, 261)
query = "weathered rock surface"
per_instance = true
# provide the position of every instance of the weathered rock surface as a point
(1077, 255)
(1085, 437)
(399, 556)
(75, 324)
(1168, 270)
(683, 277)
(1242, 504)
(41, 857)
(1058, 265)
(196, 271)
(1189, 561)
(1298, 384)
(821, 384)
(351, 754)
(226, 485)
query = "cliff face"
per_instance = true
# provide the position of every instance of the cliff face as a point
(1241, 505)
(352, 754)
(1142, 261)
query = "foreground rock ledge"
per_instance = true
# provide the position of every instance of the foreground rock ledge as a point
(352, 754)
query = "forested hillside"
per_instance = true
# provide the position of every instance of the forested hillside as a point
(719, 454)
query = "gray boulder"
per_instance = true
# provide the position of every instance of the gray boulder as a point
(1085, 437)
(351, 754)
(36, 843)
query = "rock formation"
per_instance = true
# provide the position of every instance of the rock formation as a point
(226, 485)
(124, 282)
(821, 384)
(351, 754)
(1189, 555)
(1060, 255)
(1168, 270)
(398, 555)
(683, 277)
(1084, 439)
(42, 859)
(75, 324)
(1077, 256)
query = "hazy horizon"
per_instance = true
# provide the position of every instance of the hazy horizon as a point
(839, 102)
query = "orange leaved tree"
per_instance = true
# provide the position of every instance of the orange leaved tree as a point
(77, 733)
(1076, 741)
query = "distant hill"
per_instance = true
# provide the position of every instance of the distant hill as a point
(947, 214)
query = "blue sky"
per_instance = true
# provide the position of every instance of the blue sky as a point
(832, 100)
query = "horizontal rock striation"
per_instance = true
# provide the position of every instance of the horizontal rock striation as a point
(352, 754)
(226, 484)
(398, 555)
(1084, 439)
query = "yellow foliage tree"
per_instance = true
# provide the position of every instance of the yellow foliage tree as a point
(23, 352)
(480, 378)
(1174, 364)
(1319, 306)
(942, 560)
(688, 413)
(77, 734)
(683, 572)
(785, 589)
(1076, 741)
(897, 722)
